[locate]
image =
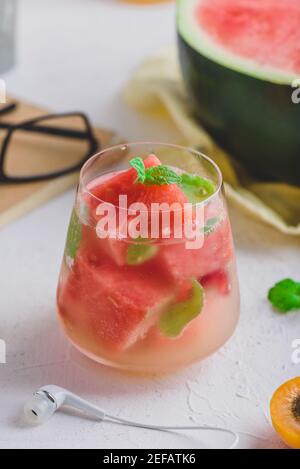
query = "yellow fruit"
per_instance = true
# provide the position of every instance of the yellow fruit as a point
(285, 412)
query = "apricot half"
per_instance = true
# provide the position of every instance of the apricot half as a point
(285, 412)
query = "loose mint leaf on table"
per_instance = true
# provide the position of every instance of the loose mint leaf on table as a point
(140, 252)
(179, 315)
(161, 175)
(196, 187)
(73, 236)
(138, 164)
(285, 295)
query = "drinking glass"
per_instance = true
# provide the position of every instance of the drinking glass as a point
(152, 304)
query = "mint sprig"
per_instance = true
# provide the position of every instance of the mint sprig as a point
(195, 187)
(285, 295)
(161, 175)
(156, 175)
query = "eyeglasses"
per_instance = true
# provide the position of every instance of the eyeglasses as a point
(45, 147)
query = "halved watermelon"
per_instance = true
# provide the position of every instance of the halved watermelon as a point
(115, 305)
(239, 60)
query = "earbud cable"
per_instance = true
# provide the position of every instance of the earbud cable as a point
(174, 428)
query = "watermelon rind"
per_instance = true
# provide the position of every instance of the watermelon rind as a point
(246, 108)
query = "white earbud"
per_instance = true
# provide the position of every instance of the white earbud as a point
(49, 399)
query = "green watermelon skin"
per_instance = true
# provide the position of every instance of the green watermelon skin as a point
(253, 119)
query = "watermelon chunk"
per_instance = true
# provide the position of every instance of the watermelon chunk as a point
(108, 190)
(98, 250)
(116, 305)
(121, 183)
(180, 263)
(124, 183)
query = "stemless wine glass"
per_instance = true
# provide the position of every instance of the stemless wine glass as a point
(151, 304)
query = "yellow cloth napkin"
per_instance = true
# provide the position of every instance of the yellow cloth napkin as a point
(157, 87)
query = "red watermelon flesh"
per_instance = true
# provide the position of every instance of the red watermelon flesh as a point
(121, 183)
(97, 249)
(266, 31)
(184, 291)
(180, 263)
(115, 305)
(218, 280)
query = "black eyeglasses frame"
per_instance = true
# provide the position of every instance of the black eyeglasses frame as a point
(35, 126)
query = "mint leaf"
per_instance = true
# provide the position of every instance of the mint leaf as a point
(196, 188)
(161, 175)
(73, 236)
(181, 314)
(140, 252)
(138, 164)
(285, 295)
(210, 225)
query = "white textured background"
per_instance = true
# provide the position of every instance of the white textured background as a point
(78, 54)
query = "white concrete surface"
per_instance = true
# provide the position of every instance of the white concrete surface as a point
(78, 54)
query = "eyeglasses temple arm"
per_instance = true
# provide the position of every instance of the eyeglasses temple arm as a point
(57, 131)
(7, 109)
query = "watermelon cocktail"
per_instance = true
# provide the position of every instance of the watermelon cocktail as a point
(148, 280)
